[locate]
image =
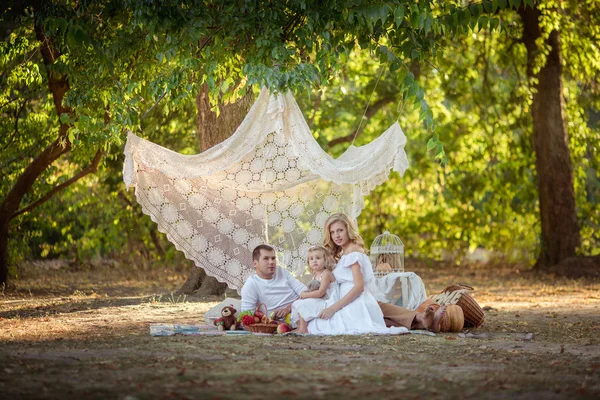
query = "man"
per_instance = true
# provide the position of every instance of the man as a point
(272, 285)
(278, 289)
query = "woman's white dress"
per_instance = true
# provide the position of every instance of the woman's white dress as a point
(363, 314)
(308, 309)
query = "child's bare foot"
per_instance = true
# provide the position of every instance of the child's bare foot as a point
(437, 319)
(424, 320)
(427, 320)
(300, 331)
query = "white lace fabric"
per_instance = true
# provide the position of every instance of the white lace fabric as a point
(270, 182)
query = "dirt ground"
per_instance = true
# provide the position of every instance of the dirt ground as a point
(71, 334)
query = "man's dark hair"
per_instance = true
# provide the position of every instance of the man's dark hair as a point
(257, 249)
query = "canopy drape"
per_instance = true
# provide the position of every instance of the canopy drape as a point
(270, 182)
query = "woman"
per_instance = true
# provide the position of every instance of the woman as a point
(351, 309)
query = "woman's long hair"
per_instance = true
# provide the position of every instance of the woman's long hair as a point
(334, 249)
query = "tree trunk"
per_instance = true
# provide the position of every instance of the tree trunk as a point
(213, 130)
(560, 229)
(58, 86)
(11, 202)
(193, 281)
(3, 254)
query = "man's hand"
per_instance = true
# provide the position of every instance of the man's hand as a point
(327, 313)
(282, 312)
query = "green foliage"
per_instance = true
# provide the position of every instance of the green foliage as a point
(451, 72)
(487, 194)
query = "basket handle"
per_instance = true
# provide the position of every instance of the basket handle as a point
(266, 309)
(457, 286)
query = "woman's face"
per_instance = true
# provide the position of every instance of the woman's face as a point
(339, 233)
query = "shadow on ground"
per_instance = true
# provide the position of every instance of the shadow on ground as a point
(541, 339)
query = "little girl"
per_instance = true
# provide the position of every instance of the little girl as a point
(311, 303)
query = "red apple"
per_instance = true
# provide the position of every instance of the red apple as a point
(283, 328)
(258, 314)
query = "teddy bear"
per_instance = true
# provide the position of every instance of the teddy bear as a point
(227, 321)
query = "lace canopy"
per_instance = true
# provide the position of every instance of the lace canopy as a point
(270, 182)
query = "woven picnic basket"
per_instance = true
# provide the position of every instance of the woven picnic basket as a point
(261, 327)
(459, 294)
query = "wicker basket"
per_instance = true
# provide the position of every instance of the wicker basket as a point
(458, 294)
(456, 286)
(261, 327)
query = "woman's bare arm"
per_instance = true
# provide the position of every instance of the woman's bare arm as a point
(357, 289)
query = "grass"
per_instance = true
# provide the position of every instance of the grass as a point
(83, 333)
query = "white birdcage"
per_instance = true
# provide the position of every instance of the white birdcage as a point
(387, 254)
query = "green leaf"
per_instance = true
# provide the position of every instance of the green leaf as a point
(466, 16)
(487, 4)
(225, 85)
(409, 79)
(494, 5)
(483, 22)
(429, 119)
(494, 22)
(402, 75)
(431, 143)
(440, 149)
(412, 89)
(399, 15)
(64, 118)
(428, 22)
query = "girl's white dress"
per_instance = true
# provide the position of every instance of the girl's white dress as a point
(308, 309)
(363, 314)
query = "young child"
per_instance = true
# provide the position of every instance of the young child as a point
(320, 287)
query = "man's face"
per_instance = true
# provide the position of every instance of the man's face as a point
(266, 264)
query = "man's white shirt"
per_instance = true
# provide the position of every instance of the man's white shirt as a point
(278, 292)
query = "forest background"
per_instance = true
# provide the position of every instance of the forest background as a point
(456, 75)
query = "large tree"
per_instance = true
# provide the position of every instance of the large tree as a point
(213, 129)
(106, 63)
(114, 61)
(560, 229)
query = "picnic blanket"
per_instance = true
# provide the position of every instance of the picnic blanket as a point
(183, 329)
(209, 330)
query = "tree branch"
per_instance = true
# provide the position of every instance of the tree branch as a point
(370, 112)
(17, 116)
(23, 155)
(316, 107)
(155, 104)
(93, 167)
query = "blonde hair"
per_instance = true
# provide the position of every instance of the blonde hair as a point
(329, 263)
(353, 235)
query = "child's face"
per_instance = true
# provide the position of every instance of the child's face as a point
(316, 261)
